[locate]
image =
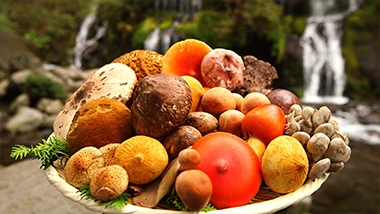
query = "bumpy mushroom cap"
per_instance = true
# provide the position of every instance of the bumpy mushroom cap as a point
(113, 80)
(143, 62)
(83, 165)
(109, 183)
(162, 104)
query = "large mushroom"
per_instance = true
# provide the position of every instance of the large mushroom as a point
(162, 104)
(114, 80)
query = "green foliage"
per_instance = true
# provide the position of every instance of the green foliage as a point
(142, 32)
(38, 86)
(47, 151)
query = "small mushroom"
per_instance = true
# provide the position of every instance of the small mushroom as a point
(338, 151)
(305, 127)
(326, 128)
(189, 159)
(203, 121)
(318, 144)
(334, 123)
(292, 128)
(108, 152)
(109, 183)
(82, 165)
(301, 136)
(336, 167)
(307, 114)
(194, 188)
(179, 139)
(321, 116)
(319, 168)
(296, 109)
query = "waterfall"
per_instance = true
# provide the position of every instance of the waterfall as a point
(82, 42)
(159, 40)
(323, 63)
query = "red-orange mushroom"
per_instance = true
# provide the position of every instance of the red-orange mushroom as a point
(265, 122)
(232, 166)
(185, 58)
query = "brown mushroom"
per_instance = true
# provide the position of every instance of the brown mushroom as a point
(203, 121)
(318, 144)
(162, 104)
(283, 98)
(319, 168)
(194, 188)
(82, 165)
(189, 159)
(109, 183)
(113, 80)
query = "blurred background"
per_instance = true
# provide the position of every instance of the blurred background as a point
(325, 51)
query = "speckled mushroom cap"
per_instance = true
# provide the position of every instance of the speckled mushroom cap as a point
(83, 165)
(109, 182)
(108, 152)
(114, 80)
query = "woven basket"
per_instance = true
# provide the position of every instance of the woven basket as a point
(265, 201)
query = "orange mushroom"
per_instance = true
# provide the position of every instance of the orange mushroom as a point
(185, 58)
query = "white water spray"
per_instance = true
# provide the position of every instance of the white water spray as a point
(82, 42)
(322, 53)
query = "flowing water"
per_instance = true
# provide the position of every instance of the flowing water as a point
(323, 63)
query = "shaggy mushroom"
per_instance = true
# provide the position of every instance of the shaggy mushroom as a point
(113, 80)
(83, 165)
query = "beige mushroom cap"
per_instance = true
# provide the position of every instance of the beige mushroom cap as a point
(109, 182)
(114, 80)
(82, 165)
(108, 152)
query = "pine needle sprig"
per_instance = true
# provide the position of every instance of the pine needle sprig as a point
(117, 203)
(47, 151)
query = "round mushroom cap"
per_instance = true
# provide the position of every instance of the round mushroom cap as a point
(108, 152)
(114, 80)
(82, 165)
(109, 183)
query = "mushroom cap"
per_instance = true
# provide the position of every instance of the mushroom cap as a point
(109, 183)
(108, 152)
(82, 165)
(114, 80)
(162, 104)
(99, 122)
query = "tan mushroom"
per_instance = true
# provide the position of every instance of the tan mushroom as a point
(114, 80)
(82, 165)
(108, 152)
(109, 183)
(319, 168)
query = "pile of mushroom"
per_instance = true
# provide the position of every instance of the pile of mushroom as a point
(326, 145)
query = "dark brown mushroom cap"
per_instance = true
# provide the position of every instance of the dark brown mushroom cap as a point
(109, 183)
(82, 165)
(162, 103)
(258, 75)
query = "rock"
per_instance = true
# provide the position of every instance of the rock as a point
(26, 119)
(23, 60)
(4, 83)
(48, 121)
(20, 77)
(21, 100)
(49, 106)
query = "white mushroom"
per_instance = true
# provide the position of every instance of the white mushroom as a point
(319, 168)
(326, 128)
(306, 114)
(114, 80)
(318, 144)
(302, 137)
(338, 151)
